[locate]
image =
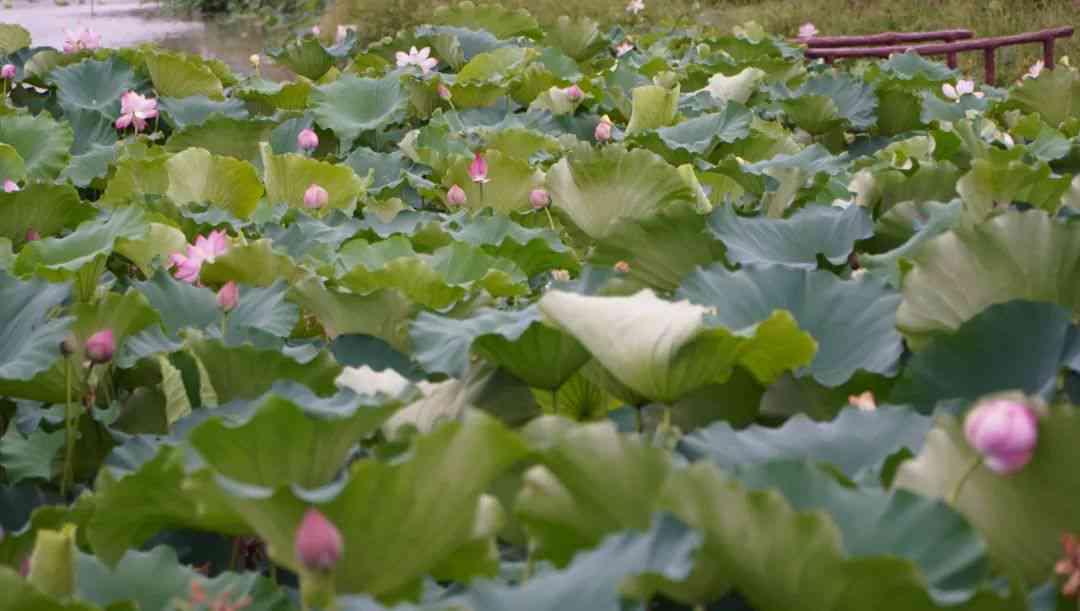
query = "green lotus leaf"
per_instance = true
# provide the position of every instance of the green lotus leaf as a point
(226, 136)
(829, 101)
(288, 176)
(512, 180)
(700, 135)
(267, 97)
(735, 88)
(387, 169)
(94, 85)
(1017, 255)
(1055, 95)
(664, 350)
(501, 21)
(383, 314)
(996, 182)
(533, 250)
(93, 164)
(598, 188)
(494, 66)
(934, 108)
(196, 176)
(195, 110)
(578, 38)
(47, 209)
(12, 166)
(853, 321)
(654, 107)
(13, 37)
(176, 75)
(42, 142)
(17, 593)
(125, 314)
(60, 258)
(159, 242)
(1020, 516)
(262, 310)
(350, 106)
(181, 305)
(796, 241)
(884, 189)
(928, 220)
(791, 173)
(134, 180)
(541, 356)
(305, 56)
(856, 442)
(381, 500)
(31, 456)
(1017, 345)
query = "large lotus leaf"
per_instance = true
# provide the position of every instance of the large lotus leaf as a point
(598, 188)
(13, 37)
(47, 209)
(94, 85)
(90, 165)
(159, 242)
(541, 356)
(493, 67)
(156, 579)
(512, 180)
(661, 249)
(501, 21)
(195, 110)
(380, 501)
(791, 173)
(224, 135)
(60, 258)
(12, 166)
(134, 180)
(1017, 255)
(18, 594)
(262, 310)
(699, 135)
(1022, 515)
(244, 372)
(664, 350)
(383, 314)
(91, 128)
(305, 56)
(177, 75)
(856, 442)
(1018, 345)
(827, 101)
(853, 321)
(387, 169)
(266, 97)
(654, 107)
(796, 241)
(1055, 95)
(533, 250)
(196, 177)
(917, 223)
(578, 38)
(125, 314)
(281, 442)
(181, 305)
(350, 105)
(998, 181)
(42, 142)
(288, 176)
(31, 456)
(735, 88)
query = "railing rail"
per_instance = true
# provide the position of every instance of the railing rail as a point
(988, 46)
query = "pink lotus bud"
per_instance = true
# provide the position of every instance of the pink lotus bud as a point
(228, 296)
(560, 275)
(1004, 431)
(101, 346)
(316, 196)
(622, 267)
(539, 198)
(10, 186)
(7, 72)
(32, 235)
(455, 196)
(307, 140)
(444, 92)
(24, 567)
(603, 129)
(574, 93)
(315, 31)
(478, 169)
(318, 542)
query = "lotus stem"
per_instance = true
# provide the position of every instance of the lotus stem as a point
(954, 496)
(68, 474)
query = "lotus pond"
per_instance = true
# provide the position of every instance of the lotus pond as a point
(499, 316)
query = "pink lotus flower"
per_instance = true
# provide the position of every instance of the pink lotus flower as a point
(574, 93)
(421, 58)
(962, 88)
(315, 197)
(32, 235)
(100, 347)
(603, 129)
(807, 30)
(478, 169)
(622, 267)
(10, 186)
(307, 139)
(204, 249)
(7, 72)
(318, 542)
(455, 196)
(1035, 70)
(635, 6)
(315, 31)
(444, 92)
(623, 48)
(228, 296)
(135, 110)
(1004, 431)
(539, 199)
(81, 39)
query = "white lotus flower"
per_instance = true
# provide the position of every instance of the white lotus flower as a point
(635, 6)
(421, 58)
(1035, 70)
(963, 87)
(807, 30)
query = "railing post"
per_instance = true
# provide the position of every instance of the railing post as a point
(990, 58)
(952, 61)
(1048, 52)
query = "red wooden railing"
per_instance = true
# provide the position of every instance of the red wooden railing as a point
(886, 39)
(865, 46)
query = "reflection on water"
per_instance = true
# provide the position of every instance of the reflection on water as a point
(124, 23)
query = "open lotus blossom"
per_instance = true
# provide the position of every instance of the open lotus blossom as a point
(316, 196)
(7, 72)
(1004, 431)
(539, 198)
(421, 58)
(81, 39)
(204, 249)
(603, 129)
(574, 93)
(623, 48)
(478, 169)
(635, 6)
(10, 186)
(228, 296)
(808, 30)
(455, 196)
(1035, 70)
(100, 347)
(1069, 566)
(307, 140)
(135, 110)
(318, 542)
(963, 87)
